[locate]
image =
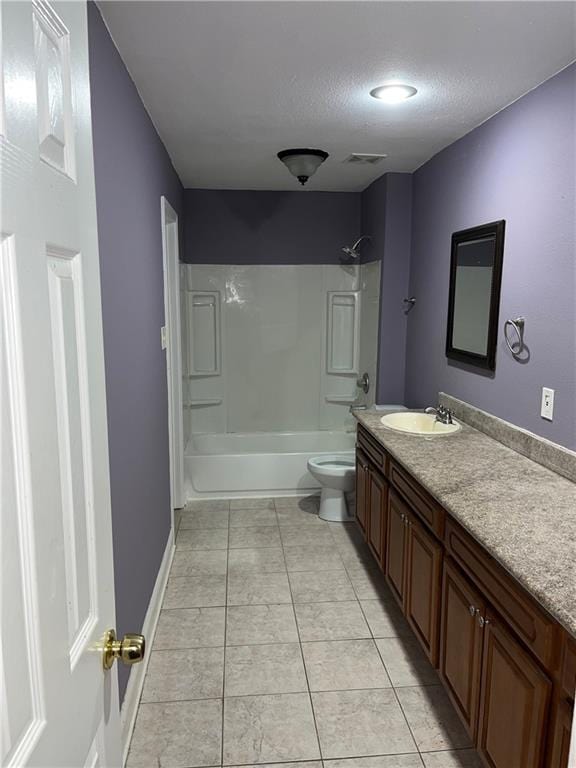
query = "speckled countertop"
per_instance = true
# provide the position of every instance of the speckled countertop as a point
(521, 512)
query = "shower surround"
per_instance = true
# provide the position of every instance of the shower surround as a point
(271, 355)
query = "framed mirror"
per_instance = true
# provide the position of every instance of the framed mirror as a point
(474, 299)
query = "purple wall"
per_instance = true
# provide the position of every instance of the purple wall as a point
(519, 166)
(246, 227)
(132, 171)
(386, 217)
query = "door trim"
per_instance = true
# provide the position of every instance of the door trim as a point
(129, 708)
(171, 275)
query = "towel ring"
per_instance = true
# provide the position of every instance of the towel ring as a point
(518, 325)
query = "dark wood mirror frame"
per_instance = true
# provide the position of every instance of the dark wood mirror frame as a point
(494, 229)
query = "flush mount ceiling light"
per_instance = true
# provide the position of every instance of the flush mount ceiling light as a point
(302, 163)
(393, 93)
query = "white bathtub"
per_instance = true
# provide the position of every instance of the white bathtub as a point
(257, 464)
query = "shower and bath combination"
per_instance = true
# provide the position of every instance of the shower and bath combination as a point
(353, 251)
(238, 443)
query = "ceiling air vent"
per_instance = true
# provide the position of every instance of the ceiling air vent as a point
(358, 159)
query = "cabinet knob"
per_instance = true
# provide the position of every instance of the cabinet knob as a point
(483, 622)
(473, 610)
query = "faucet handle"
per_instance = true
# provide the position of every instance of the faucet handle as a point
(443, 414)
(447, 415)
(363, 383)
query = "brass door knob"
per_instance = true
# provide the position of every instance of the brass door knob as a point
(130, 650)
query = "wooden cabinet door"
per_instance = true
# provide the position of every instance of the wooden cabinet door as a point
(362, 490)
(514, 702)
(378, 495)
(423, 586)
(461, 644)
(396, 545)
(560, 735)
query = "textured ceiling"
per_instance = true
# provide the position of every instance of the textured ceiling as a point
(229, 84)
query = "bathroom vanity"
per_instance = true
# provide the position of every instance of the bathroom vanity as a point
(476, 544)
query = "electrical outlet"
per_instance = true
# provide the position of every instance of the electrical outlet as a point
(547, 407)
(163, 336)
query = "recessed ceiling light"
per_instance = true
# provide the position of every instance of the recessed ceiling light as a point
(393, 93)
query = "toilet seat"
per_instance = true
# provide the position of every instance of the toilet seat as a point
(333, 465)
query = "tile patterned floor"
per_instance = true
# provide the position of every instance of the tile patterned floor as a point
(279, 644)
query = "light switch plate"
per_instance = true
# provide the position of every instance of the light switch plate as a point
(163, 336)
(547, 407)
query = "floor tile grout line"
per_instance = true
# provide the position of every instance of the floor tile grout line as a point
(242, 571)
(140, 702)
(271, 602)
(427, 751)
(283, 642)
(407, 721)
(395, 693)
(300, 646)
(283, 693)
(187, 648)
(225, 643)
(304, 666)
(274, 546)
(395, 687)
(329, 759)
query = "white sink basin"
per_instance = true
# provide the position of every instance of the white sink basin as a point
(418, 424)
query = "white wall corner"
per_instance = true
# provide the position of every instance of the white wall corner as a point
(138, 673)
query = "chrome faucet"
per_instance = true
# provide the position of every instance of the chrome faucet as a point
(443, 414)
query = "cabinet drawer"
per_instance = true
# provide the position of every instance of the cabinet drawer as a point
(569, 667)
(371, 448)
(422, 503)
(525, 617)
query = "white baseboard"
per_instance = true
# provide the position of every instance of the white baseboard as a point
(138, 673)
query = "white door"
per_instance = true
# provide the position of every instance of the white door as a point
(58, 706)
(173, 351)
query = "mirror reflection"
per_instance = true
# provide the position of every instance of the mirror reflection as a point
(475, 276)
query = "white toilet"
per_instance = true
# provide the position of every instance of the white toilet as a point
(336, 474)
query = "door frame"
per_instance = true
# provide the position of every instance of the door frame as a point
(173, 348)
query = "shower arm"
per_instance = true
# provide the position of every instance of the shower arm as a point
(357, 243)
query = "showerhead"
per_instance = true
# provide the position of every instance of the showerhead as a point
(353, 251)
